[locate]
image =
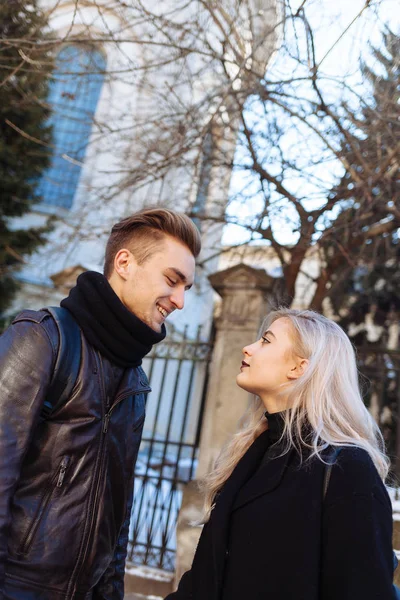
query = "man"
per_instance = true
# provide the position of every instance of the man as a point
(66, 481)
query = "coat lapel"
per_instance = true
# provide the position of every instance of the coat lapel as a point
(133, 381)
(220, 516)
(245, 484)
(264, 481)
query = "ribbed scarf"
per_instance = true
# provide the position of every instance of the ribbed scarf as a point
(107, 324)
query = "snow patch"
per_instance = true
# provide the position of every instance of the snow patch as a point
(394, 494)
(149, 573)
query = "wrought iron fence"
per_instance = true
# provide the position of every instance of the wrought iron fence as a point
(168, 453)
(380, 378)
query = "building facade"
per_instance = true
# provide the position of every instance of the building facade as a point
(136, 122)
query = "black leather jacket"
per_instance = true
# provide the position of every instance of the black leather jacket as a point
(66, 484)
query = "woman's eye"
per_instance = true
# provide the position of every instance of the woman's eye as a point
(264, 339)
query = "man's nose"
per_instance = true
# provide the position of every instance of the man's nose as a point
(178, 299)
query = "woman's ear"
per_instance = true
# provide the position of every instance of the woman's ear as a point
(299, 368)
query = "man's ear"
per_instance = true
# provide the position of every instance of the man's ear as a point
(298, 369)
(123, 262)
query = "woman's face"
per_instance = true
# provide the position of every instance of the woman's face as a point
(270, 364)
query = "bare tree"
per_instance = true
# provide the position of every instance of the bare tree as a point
(211, 105)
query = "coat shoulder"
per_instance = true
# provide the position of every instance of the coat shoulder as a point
(355, 474)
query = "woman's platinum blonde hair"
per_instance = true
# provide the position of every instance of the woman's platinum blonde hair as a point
(326, 397)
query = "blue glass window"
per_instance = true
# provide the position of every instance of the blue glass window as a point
(73, 95)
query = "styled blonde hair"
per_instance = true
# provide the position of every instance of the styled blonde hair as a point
(144, 231)
(326, 397)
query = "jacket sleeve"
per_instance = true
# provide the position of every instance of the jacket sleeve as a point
(26, 363)
(111, 583)
(357, 557)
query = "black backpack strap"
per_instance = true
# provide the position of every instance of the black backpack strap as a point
(67, 362)
(331, 459)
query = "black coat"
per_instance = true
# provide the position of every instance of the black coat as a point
(272, 536)
(65, 483)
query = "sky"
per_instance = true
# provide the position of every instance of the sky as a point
(340, 57)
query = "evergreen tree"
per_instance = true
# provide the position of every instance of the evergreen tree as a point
(24, 134)
(367, 294)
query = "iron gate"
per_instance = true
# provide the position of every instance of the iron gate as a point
(380, 370)
(167, 458)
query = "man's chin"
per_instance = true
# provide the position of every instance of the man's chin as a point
(157, 327)
(152, 323)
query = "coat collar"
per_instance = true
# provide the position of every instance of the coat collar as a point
(134, 381)
(264, 481)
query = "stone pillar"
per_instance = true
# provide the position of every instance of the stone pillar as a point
(244, 292)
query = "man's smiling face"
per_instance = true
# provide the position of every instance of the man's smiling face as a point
(157, 287)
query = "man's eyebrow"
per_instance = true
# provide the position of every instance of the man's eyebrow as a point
(270, 333)
(181, 276)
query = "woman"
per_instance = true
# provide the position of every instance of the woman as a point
(272, 532)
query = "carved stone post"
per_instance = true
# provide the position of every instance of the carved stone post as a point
(244, 292)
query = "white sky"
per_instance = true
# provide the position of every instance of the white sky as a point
(329, 18)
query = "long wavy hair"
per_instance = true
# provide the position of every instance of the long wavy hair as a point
(326, 397)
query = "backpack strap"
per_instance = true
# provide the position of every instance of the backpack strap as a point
(331, 459)
(67, 362)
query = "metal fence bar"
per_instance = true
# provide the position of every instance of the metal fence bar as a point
(183, 427)
(159, 513)
(381, 367)
(167, 455)
(142, 507)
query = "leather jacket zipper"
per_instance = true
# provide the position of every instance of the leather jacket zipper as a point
(94, 499)
(56, 481)
(119, 399)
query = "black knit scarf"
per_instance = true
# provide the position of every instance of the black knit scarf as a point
(107, 324)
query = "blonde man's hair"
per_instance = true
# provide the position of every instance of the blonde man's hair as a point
(144, 232)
